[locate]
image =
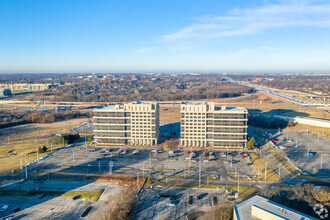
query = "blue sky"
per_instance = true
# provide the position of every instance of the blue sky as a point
(164, 36)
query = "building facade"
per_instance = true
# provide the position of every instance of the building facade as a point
(135, 123)
(203, 124)
(26, 87)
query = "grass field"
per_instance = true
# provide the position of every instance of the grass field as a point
(25, 139)
(317, 130)
(169, 116)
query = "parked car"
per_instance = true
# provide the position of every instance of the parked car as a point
(190, 200)
(4, 208)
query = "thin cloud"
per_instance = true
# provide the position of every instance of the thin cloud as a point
(248, 21)
(145, 49)
(269, 48)
(234, 54)
(180, 48)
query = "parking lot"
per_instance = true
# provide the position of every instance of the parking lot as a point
(174, 203)
(311, 152)
(142, 162)
(41, 206)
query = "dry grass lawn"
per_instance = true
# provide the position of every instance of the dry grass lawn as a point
(22, 139)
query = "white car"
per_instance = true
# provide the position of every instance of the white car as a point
(4, 208)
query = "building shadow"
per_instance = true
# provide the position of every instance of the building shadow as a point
(168, 131)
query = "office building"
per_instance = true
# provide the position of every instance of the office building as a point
(135, 123)
(203, 124)
(257, 208)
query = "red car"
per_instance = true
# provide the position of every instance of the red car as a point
(274, 140)
(188, 152)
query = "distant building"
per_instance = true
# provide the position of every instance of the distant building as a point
(135, 123)
(26, 87)
(5, 92)
(203, 124)
(257, 208)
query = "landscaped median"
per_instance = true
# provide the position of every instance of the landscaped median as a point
(244, 190)
(285, 163)
(260, 165)
(91, 196)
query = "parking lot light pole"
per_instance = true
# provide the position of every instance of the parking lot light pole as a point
(238, 185)
(279, 170)
(321, 161)
(200, 167)
(110, 167)
(266, 172)
(72, 155)
(143, 170)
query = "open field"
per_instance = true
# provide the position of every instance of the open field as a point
(303, 128)
(27, 138)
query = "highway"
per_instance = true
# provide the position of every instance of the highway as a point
(277, 94)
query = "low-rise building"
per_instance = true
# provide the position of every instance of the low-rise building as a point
(204, 124)
(257, 208)
(26, 87)
(135, 123)
(5, 92)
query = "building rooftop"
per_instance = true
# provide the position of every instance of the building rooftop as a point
(216, 108)
(197, 103)
(243, 210)
(230, 109)
(112, 107)
(141, 102)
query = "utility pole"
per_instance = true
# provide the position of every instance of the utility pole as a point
(37, 153)
(266, 172)
(235, 173)
(200, 167)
